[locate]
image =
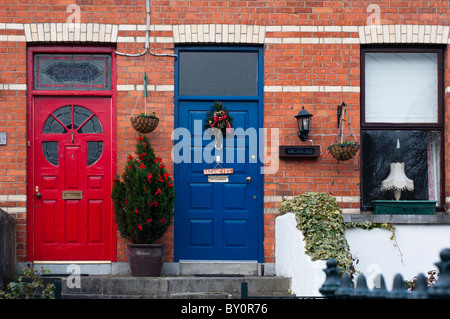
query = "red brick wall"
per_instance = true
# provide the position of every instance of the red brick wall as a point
(287, 64)
(13, 122)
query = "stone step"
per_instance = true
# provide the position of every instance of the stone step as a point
(182, 287)
(202, 267)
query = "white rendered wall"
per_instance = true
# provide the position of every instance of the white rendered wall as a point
(417, 251)
(291, 261)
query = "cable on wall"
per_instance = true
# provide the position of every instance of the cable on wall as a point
(147, 35)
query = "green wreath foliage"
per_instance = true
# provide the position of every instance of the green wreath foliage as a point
(218, 117)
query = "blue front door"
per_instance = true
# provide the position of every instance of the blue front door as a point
(218, 217)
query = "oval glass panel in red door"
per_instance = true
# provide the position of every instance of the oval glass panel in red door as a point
(72, 179)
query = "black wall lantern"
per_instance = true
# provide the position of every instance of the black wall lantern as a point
(304, 124)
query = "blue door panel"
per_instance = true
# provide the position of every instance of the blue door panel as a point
(236, 196)
(235, 232)
(201, 231)
(202, 196)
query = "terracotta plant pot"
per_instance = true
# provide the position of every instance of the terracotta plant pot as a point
(146, 260)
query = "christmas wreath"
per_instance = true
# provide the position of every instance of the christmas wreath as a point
(218, 117)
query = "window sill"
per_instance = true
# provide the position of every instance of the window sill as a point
(438, 219)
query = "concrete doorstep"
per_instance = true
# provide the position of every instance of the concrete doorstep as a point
(182, 287)
(202, 267)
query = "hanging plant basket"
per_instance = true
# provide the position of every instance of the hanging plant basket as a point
(343, 151)
(144, 123)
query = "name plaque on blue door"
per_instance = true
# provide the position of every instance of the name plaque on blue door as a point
(218, 178)
(218, 171)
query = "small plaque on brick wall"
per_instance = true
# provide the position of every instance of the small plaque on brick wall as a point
(303, 151)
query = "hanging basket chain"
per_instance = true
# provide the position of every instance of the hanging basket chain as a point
(144, 124)
(145, 90)
(136, 103)
(343, 117)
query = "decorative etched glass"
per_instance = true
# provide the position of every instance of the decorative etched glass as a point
(71, 119)
(72, 71)
(50, 150)
(94, 151)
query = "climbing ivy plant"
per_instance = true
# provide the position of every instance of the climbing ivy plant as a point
(319, 218)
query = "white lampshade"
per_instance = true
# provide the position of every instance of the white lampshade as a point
(397, 180)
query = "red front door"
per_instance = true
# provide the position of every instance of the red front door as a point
(72, 215)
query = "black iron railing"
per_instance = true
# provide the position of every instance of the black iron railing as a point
(335, 287)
